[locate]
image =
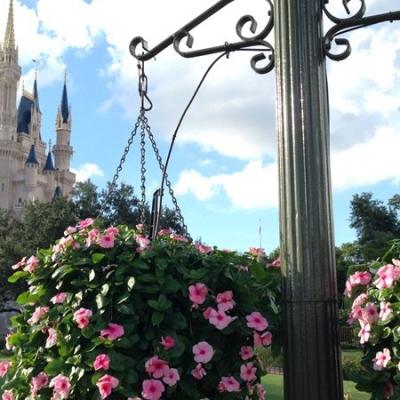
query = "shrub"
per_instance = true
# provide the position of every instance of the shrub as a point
(375, 311)
(109, 314)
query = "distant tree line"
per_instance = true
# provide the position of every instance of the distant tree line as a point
(43, 223)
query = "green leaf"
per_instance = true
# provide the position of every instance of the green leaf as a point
(62, 271)
(154, 304)
(16, 276)
(54, 367)
(123, 298)
(97, 257)
(88, 332)
(27, 297)
(156, 318)
(147, 278)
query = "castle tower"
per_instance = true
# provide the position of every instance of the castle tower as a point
(63, 150)
(31, 174)
(49, 172)
(10, 72)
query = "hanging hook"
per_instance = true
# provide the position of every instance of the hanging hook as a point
(143, 86)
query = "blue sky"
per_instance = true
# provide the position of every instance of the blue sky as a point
(224, 163)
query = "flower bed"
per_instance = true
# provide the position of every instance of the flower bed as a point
(110, 314)
(375, 294)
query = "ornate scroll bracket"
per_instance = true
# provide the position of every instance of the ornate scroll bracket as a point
(183, 37)
(354, 21)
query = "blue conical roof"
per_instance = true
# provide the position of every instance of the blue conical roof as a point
(32, 156)
(64, 104)
(36, 95)
(49, 163)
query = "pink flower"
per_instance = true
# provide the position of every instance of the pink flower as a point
(257, 251)
(348, 289)
(225, 301)
(93, 234)
(203, 352)
(256, 321)
(360, 300)
(355, 314)
(171, 377)
(7, 395)
(199, 372)
(198, 293)
(388, 390)
(156, 367)
(106, 241)
(38, 382)
(360, 278)
(143, 242)
(113, 332)
(38, 314)
(370, 313)
(165, 232)
(59, 298)
(106, 384)
(277, 263)
(381, 359)
(61, 386)
(51, 339)
(248, 372)
(385, 312)
(152, 389)
(85, 223)
(365, 332)
(219, 319)
(264, 339)
(261, 393)
(387, 275)
(19, 264)
(102, 361)
(207, 313)
(112, 231)
(168, 342)
(4, 367)
(228, 384)
(139, 227)
(70, 230)
(246, 352)
(179, 238)
(201, 248)
(32, 264)
(82, 317)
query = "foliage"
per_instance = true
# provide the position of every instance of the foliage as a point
(375, 311)
(375, 223)
(152, 308)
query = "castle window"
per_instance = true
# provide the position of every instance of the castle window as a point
(19, 200)
(3, 187)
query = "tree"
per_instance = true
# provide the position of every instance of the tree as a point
(85, 199)
(375, 224)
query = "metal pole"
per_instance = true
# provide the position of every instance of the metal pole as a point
(312, 368)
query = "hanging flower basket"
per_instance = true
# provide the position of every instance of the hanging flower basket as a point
(109, 314)
(375, 313)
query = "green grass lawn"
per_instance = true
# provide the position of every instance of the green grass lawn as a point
(274, 387)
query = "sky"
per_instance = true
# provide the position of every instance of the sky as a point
(224, 164)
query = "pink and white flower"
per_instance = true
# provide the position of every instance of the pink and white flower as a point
(51, 338)
(92, 237)
(61, 386)
(106, 384)
(219, 319)
(156, 367)
(38, 314)
(32, 264)
(4, 367)
(59, 298)
(203, 352)
(8, 395)
(202, 248)
(143, 242)
(112, 332)
(388, 274)
(370, 313)
(152, 389)
(248, 372)
(85, 223)
(246, 352)
(102, 361)
(199, 372)
(365, 331)
(225, 301)
(171, 377)
(106, 241)
(265, 339)
(257, 251)
(82, 317)
(39, 382)
(381, 360)
(112, 231)
(19, 264)
(228, 384)
(198, 293)
(256, 321)
(385, 311)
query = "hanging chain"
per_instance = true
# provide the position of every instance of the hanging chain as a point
(143, 168)
(167, 181)
(113, 184)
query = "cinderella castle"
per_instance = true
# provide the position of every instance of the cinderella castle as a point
(27, 173)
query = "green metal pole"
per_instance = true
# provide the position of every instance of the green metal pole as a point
(311, 346)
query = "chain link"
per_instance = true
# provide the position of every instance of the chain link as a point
(167, 181)
(120, 165)
(143, 168)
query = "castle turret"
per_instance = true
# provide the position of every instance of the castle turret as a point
(10, 72)
(31, 173)
(63, 150)
(49, 172)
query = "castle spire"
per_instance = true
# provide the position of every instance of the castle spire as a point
(36, 93)
(64, 101)
(9, 38)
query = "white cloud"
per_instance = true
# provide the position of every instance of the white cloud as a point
(87, 171)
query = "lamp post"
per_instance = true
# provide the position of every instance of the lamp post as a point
(312, 367)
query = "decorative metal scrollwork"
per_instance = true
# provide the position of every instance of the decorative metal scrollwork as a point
(184, 39)
(355, 20)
